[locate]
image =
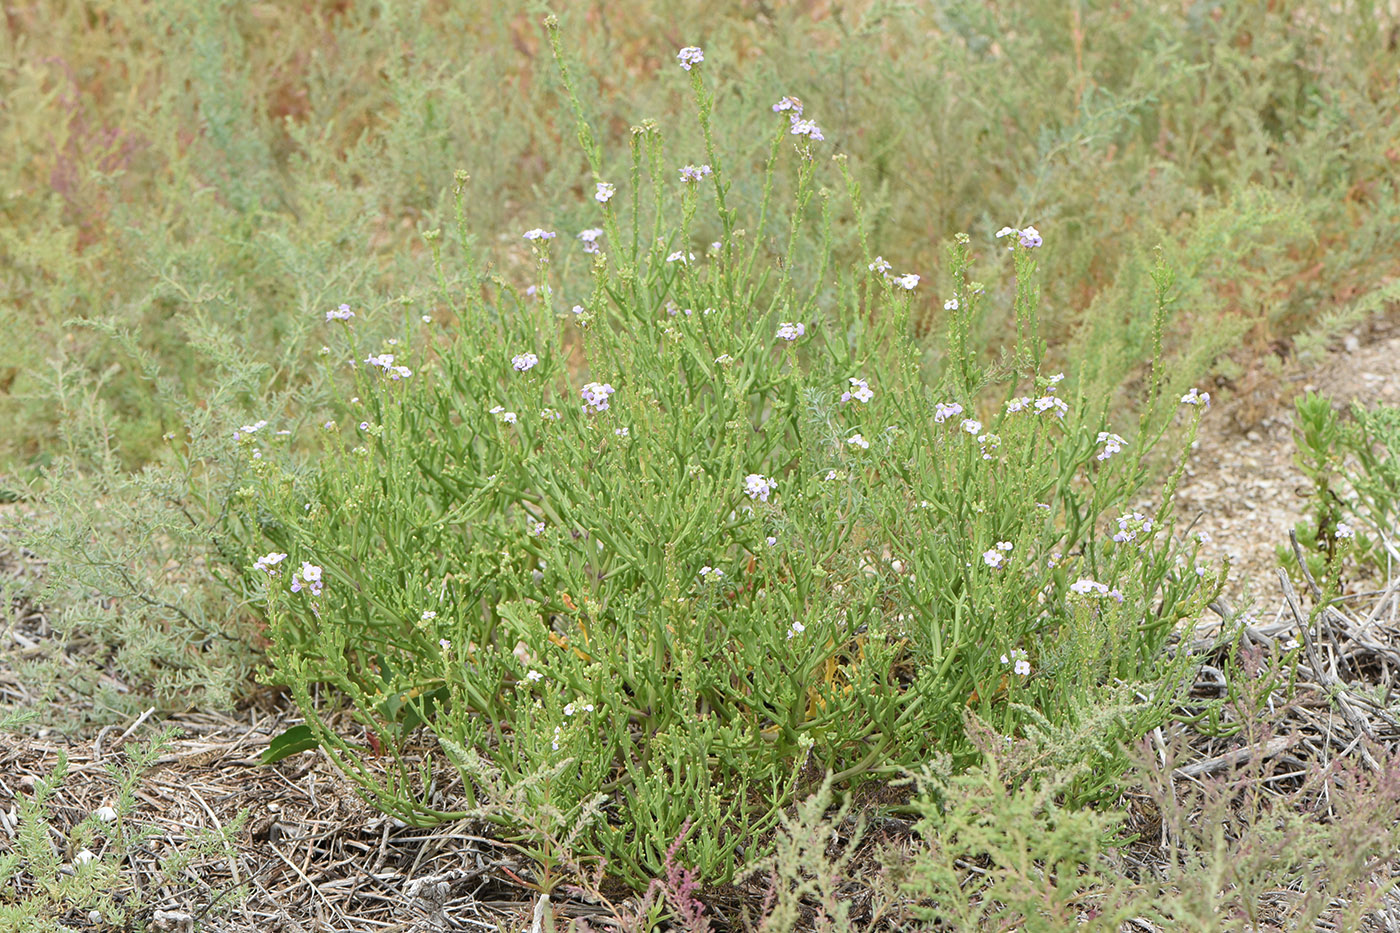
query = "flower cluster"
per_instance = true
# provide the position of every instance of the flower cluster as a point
(989, 443)
(1196, 397)
(1130, 525)
(797, 125)
(1021, 659)
(789, 331)
(690, 55)
(971, 425)
(797, 628)
(856, 440)
(695, 172)
(249, 429)
(595, 396)
(681, 256)
(604, 193)
(945, 410)
(539, 234)
(1086, 587)
(1112, 444)
(268, 563)
(343, 313)
(385, 361)
(507, 416)
(909, 281)
(308, 577)
(759, 487)
(524, 361)
(995, 557)
(1029, 237)
(713, 574)
(950, 305)
(860, 391)
(589, 238)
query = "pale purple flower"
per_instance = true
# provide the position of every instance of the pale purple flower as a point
(1345, 531)
(343, 313)
(535, 529)
(950, 305)
(971, 425)
(1017, 404)
(790, 104)
(249, 429)
(797, 628)
(1196, 397)
(1049, 402)
(807, 128)
(1112, 444)
(268, 563)
(1030, 238)
(789, 331)
(595, 396)
(428, 615)
(855, 440)
(680, 256)
(590, 238)
(772, 541)
(880, 266)
(860, 391)
(909, 281)
(714, 574)
(524, 361)
(993, 558)
(509, 417)
(539, 234)
(1130, 525)
(945, 410)
(1021, 660)
(989, 443)
(759, 487)
(690, 55)
(604, 193)
(309, 577)
(1007, 231)
(445, 645)
(695, 172)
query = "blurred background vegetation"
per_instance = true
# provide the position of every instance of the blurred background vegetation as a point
(188, 185)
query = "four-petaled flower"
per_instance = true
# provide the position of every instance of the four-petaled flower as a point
(343, 313)
(1021, 659)
(971, 425)
(604, 193)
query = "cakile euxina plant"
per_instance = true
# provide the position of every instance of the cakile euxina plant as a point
(664, 542)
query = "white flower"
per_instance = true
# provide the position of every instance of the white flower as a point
(604, 193)
(909, 281)
(971, 426)
(994, 558)
(856, 440)
(428, 615)
(534, 676)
